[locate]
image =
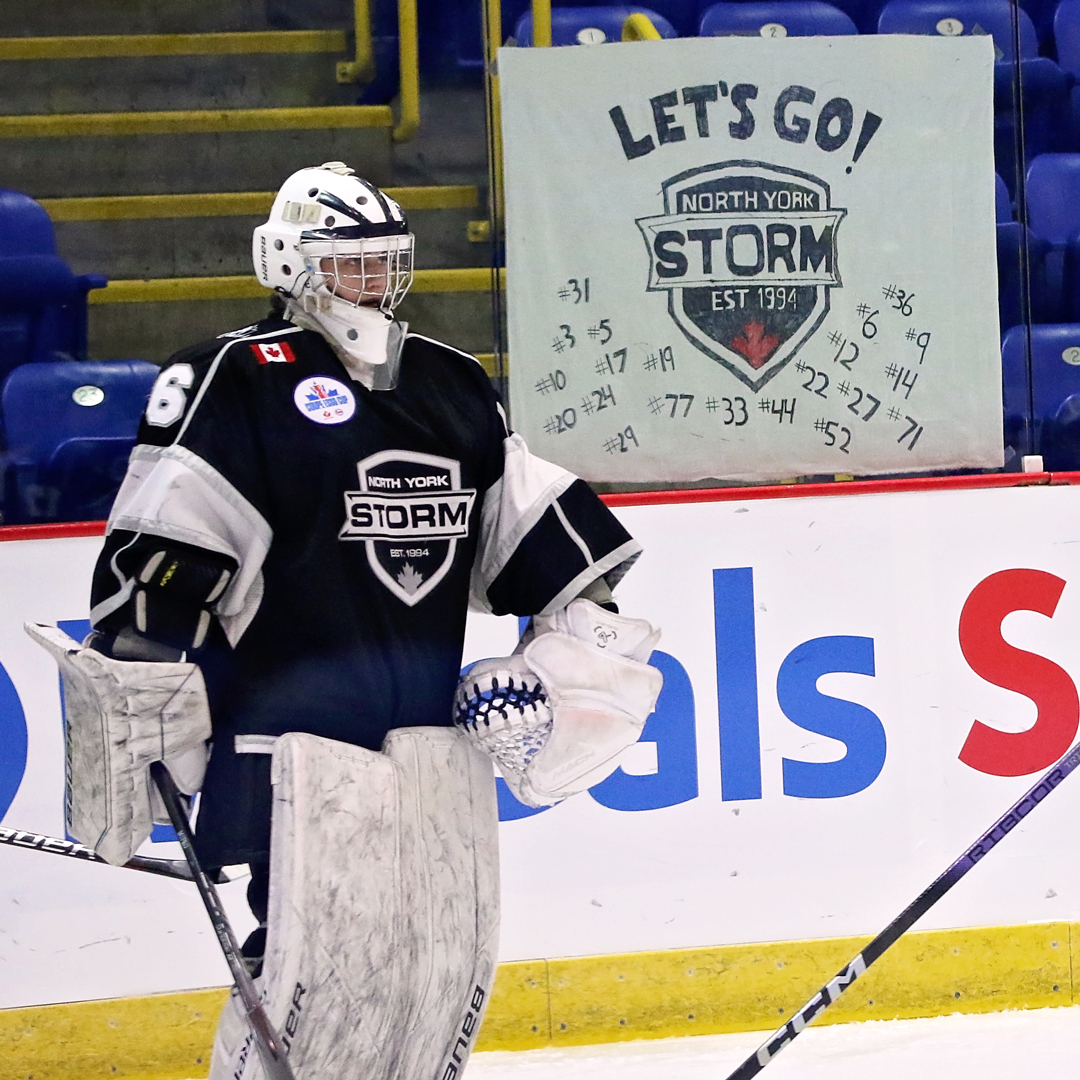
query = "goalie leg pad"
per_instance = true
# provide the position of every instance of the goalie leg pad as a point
(383, 921)
(122, 715)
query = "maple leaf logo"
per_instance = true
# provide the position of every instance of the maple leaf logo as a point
(756, 345)
(409, 579)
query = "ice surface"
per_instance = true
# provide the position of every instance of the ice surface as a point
(994, 1046)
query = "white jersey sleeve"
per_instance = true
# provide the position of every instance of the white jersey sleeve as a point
(544, 536)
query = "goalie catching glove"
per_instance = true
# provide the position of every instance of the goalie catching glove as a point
(121, 716)
(556, 715)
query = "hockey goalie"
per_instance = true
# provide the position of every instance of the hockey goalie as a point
(279, 610)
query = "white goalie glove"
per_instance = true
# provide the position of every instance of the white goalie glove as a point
(556, 716)
(122, 715)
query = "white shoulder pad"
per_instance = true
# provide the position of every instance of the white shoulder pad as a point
(122, 715)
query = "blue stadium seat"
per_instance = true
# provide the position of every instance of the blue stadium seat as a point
(1048, 112)
(1054, 395)
(1046, 97)
(682, 14)
(1045, 303)
(42, 303)
(775, 18)
(589, 25)
(1053, 210)
(864, 13)
(69, 427)
(955, 18)
(1002, 203)
(1042, 16)
(451, 40)
(1067, 35)
(1053, 192)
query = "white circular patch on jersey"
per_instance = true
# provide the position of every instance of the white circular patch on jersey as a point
(324, 399)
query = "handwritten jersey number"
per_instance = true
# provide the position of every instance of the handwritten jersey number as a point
(167, 399)
(854, 405)
(730, 411)
(675, 399)
(814, 376)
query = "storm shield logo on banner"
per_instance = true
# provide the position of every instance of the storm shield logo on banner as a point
(747, 255)
(410, 513)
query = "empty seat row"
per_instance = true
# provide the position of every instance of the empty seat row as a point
(1042, 402)
(1050, 245)
(1051, 104)
(598, 23)
(69, 427)
(67, 424)
(42, 303)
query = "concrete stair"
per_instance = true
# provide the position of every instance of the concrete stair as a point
(51, 17)
(174, 117)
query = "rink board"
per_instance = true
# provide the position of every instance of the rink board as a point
(586, 1000)
(684, 848)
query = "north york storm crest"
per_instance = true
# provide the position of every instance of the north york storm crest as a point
(410, 513)
(747, 254)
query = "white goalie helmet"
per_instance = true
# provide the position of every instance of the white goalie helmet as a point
(335, 242)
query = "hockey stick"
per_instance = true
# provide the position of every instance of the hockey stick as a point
(267, 1040)
(170, 868)
(903, 922)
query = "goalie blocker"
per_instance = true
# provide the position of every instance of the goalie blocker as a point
(383, 923)
(123, 715)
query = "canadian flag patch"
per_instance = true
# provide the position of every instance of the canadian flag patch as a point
(277, 352)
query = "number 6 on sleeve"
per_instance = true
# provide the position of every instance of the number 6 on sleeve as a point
(167, 399)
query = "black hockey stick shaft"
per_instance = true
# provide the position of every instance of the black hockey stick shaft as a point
(269, 1044)
(904, 921)
(170, 868)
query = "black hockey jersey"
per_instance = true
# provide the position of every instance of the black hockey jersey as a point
(363, 523)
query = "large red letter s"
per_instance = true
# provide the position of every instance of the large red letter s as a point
(1002, 753)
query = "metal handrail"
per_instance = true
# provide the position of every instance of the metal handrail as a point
(541, 18)
(362, 69)
(408, 56)
(492, 18)
(639, 27)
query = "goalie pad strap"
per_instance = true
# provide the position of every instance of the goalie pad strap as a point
(383, 916)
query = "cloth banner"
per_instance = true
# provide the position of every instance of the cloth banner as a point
(753, 258)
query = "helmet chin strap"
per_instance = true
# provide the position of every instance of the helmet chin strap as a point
(367, 341)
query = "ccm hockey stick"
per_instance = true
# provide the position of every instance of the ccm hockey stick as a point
(903, 922)
(267, 1041)
(170, 868)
